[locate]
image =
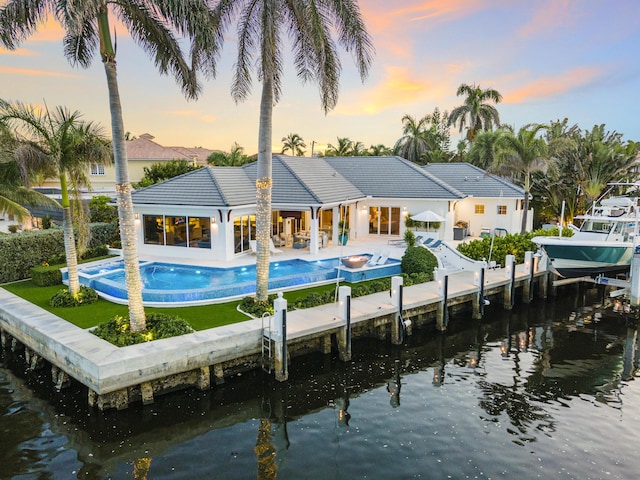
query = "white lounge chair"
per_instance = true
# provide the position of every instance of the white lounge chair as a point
(383, 258)
(374, 258)
(253, 244)
(273, 249)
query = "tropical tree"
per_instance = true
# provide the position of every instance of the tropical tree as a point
(162, 171)
(476, 113)
(379, 150)
(343, 148)
(415, 140)
(309, 25)
(17, 168)
(70, 146)
(152, 24)
(357, 149)
(521, 155)
(295, 143)
(484, 149)
(233, 158)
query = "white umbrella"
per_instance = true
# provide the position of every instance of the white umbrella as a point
(427, 216)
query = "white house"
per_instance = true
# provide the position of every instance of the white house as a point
(210, 213)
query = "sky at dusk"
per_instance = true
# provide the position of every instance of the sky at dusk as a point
(550, 59)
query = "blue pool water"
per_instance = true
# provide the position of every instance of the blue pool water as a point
(166, 283)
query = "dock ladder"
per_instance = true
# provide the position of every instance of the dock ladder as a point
(266, 342)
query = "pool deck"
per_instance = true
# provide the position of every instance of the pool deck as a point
(116, 377)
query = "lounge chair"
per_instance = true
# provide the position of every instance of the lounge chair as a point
(273, 249)
(383, 258)
(374, 258)
(253, 244)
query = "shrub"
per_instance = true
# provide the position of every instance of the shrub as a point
(46, 275)
(13, 228)
(257, 309)
(21, 252)
(418, 260)
(159, 325)
(63, 298)
(103, 234)
(94, 252)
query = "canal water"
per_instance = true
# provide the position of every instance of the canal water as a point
(544, 391)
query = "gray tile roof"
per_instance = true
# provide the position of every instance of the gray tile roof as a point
(392, 177)
(474, 181)
(207, 186)
(307, 181)
(304, 181)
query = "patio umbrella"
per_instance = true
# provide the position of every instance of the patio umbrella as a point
(428, 217)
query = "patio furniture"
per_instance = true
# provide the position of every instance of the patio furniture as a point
(273, 249)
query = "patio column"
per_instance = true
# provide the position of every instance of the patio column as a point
(314, 231)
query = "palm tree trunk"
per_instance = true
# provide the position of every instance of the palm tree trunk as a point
(133, 281)
(69, 239)
(263, 191)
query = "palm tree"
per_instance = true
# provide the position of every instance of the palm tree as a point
(476, 112)
(309, 25)
(295, 143)
(17, 168)
(152, 24)
(357, 149)
(343, 148)
(234, 158)
(415, 140)
(379, 150)
(484, 149)
(70, 146)
(521, 155)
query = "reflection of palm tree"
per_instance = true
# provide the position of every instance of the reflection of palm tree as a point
(266, 452)
(261, 25)
(87, 29)
(70, 146)
(476, 114)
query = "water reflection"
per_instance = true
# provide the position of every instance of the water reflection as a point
(500, 381)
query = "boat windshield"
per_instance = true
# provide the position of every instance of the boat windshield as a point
(597, 226)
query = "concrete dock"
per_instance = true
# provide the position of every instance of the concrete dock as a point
(118, 376)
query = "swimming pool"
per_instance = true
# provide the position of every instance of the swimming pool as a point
(168, 284)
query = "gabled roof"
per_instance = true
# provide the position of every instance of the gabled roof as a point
(392, 177)
(303, 180)
(474, 181)
(207, 186)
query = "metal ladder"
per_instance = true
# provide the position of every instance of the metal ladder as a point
(266, 342)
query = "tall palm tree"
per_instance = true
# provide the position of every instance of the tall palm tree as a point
(415, 140)
(476, 113)
(152, 24)
(70, 146)
(309, 25)
(484, 149)
(521, 155)
(295, 143)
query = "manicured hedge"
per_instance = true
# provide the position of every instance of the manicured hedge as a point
(33, 248)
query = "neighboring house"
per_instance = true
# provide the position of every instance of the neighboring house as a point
(210, 213)
(141, 152)
(489, 201)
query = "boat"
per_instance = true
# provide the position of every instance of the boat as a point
(603, 245)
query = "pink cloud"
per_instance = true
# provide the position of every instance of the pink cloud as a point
(553, 86)
(36, 73)
(551, 15)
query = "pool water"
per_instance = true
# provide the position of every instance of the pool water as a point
(167, 283)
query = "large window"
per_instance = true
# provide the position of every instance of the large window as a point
(244, 229)
(384, 220)
(177, 231)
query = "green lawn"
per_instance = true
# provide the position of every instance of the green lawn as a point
(199, 317)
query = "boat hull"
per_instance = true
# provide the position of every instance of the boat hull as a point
(570, 259)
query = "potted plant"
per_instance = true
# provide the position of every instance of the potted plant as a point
(343, 234)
